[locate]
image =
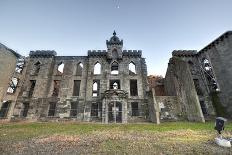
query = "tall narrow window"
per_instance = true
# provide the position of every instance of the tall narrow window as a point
(73, 111)
(20, 65)
(56, 88)
(25, 109)
(37, 67)
(114, 68)
(197, 87)
(133, 88)
(52, 109)
(96, 84)
(76, 87)
(4, 109)
(135, 109)
(12, 85)
(60, 68)
(79, 69)
(32, 87)
(97, 68)
(132, 70)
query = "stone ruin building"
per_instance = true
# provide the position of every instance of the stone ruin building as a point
(111, 86)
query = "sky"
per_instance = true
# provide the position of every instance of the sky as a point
(72, 27)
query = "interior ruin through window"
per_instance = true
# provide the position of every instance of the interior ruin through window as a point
(135, 109)
(79, 69)
(32, 87)
(25, 109)
(4, 109)
(12, 85)
(133, 88)
(76, 87)
(115, 84)
(97, 68)
(114, 68)
(60, 68)
(73, 110)
(52, 109)
(132, 70)
(20, 65)
(96, 87)
(56, 88)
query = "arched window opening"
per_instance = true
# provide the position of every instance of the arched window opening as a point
(12, 85)
(97, 68)
(114, 84)
(132, 70)
(96, 85)
(37, 67)
(79, 69)
(60, 68)
(114, 68)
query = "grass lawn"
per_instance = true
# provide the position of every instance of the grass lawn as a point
(90, 138)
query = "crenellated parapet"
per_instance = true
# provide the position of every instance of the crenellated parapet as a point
(42, 53)
(97, 53)
(217, 41)
(184, 53)
(133, 53)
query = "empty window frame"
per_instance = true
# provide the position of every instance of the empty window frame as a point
(4, 109)
(52, 109)
(56, 88)
(25, 109)
(133, 88)
(32, 87)
(134, 109)
(20, 65)
(79, 69)
(73, 110)
(115, 84)
(76, 87)
(96, 88)
(60, 68)
(12, 85)
(97, 68)
(114, 68)
(132, 69)
(37, 68)
(96, 109)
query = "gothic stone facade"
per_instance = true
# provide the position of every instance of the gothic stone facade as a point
(106, 86)
(111, 86)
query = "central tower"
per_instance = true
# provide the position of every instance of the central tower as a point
(114, 47)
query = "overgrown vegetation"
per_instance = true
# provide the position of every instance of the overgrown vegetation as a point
(220, 110)
(89, 138)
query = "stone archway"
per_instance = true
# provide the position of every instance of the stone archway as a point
(115, 112)
(114, 106)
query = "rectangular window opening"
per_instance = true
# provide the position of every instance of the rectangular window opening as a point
(32, 87)
(25, 109)
(52, 109)
(135, 109)
(56, 88)
(76, 87)
(74, 111)
(133, 88)
(4, 109)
